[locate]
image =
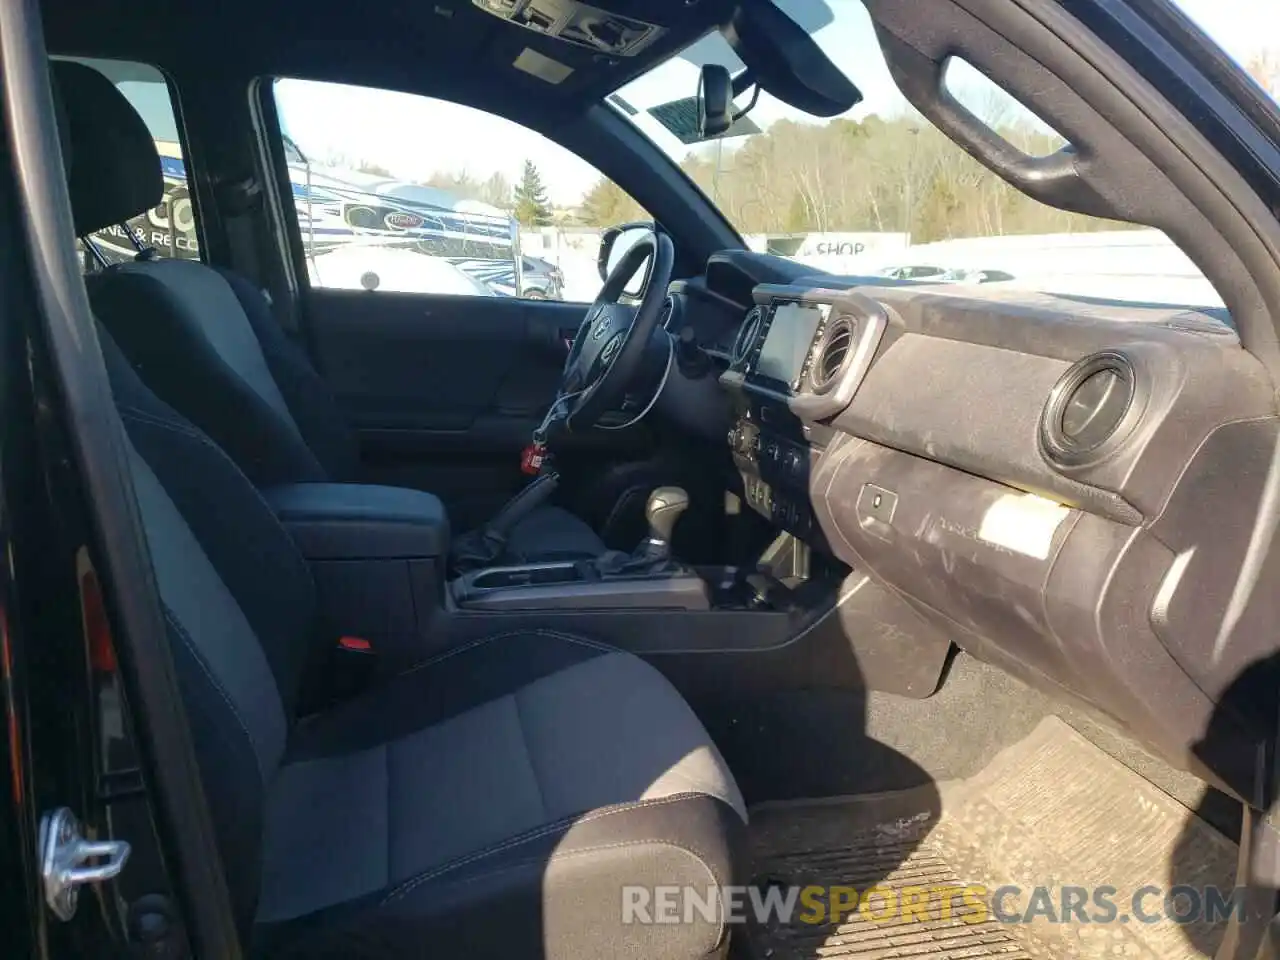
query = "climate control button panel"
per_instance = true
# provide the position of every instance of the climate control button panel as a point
(775, 475)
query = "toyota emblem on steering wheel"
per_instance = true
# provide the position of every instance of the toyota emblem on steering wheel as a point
(602, 325)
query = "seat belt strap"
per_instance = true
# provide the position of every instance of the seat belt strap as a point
(241, 202)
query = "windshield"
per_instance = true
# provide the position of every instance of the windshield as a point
(879, 190)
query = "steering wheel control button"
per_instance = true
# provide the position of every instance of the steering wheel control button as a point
(876, 507)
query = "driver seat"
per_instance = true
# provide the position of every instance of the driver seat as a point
(204, 340)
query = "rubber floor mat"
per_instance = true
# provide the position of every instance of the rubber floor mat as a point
(1051, 813)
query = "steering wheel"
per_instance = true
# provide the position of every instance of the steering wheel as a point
(610, 343)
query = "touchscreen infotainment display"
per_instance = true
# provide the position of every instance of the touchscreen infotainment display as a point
(789, 339)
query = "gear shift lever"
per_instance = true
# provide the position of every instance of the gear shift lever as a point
(664, 509)
(653, 556)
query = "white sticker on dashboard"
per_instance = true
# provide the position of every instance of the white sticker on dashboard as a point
(1024, 523)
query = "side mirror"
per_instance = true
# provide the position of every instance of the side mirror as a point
(715, 101)
(614, 245)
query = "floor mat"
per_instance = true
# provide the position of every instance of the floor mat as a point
(1051, 813)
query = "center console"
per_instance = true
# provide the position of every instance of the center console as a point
(379, 559)
(797, 361)
(378, 556)
(580, 585)
(646, 579)
(775, 465)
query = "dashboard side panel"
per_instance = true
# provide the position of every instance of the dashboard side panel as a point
(1067, 609)
(1212, 623)
(978, 407)
(1133, 574)
(1047, 325)
(1099, 602)
(931, 544)
(971, 406)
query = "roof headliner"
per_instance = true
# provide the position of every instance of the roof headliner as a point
(427, 46)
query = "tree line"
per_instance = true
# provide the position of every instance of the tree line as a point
(895, 175)
(527, 200)
(898, 175)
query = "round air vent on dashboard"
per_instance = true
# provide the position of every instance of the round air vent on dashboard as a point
(833, 354)
(747, 336)
(1087, 409)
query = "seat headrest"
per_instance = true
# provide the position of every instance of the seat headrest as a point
(114, 165)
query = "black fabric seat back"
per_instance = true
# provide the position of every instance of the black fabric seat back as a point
(202, 338)
(239, 604)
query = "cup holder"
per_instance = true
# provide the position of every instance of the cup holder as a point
(574, 586)
(500, 578)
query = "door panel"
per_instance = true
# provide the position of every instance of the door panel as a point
(445, 391)
(479, 366)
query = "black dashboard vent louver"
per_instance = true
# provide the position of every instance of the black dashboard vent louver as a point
(1090, 410)
(833, 353)
(747, 336)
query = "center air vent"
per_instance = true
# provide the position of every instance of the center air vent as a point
(747, 336)
(1088, 411)
(833, 354)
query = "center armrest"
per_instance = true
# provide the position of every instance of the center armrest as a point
(350, 521)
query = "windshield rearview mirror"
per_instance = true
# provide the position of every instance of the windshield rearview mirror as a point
(614, 245)
(784, 59)
(715, 101)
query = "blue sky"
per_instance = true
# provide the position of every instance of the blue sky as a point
(415, 137)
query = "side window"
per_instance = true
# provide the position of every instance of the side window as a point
(409, 194)
(169, 227)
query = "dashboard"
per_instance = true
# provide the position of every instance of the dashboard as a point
(1068, 488)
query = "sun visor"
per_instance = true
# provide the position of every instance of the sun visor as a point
(680, 117)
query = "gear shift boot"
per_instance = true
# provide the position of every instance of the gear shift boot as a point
(653, 556)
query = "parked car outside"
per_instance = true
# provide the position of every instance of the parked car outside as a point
(356, 267)
(967, 275)
(541, 280)
(914, 273)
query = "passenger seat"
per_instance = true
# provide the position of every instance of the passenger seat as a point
(492, 802)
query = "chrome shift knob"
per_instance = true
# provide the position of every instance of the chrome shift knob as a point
(665, 506)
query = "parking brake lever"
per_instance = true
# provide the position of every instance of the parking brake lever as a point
(523, 503)
(484, 545)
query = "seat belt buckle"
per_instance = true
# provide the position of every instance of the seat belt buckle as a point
(351, 668)
(533, 458)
